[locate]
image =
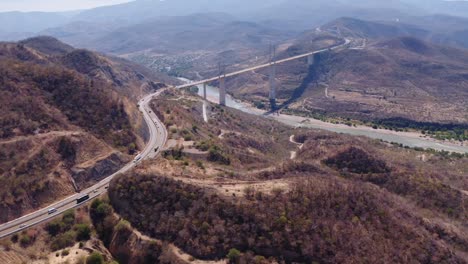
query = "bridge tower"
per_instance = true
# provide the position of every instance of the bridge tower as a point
(222, 83)
(222, 90)
(273, 86)
(272, 77)
(310, 60)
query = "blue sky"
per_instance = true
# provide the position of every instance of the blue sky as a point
(53, 5)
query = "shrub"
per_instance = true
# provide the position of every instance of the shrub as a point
(95, 258)
(66, 149)
(356, 160)
(83, 232)
(63, 241)
(234, 255)
(25, 240)
(55, 227)
(200, 164)
(68, 219)
(215, 155)
(65, 252)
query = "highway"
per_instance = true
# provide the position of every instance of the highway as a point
(156, 142)
(346, 42)
(158, 138)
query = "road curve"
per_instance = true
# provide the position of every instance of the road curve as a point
(157, 140)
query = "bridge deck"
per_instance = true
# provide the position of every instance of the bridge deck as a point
(347, 41)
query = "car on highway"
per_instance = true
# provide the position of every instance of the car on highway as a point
(22, 226)
(51, 210)
(137, 159)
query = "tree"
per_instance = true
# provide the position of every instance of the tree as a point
(83, 232)
(66, 149)
(95, 258)
(234, 255)
(54, 227)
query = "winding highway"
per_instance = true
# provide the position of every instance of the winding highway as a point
(156, 142)
(158, 138)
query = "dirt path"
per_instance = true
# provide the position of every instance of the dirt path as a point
(300, 146)
(41, 136)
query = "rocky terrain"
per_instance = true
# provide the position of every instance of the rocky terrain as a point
(321, 204)
(67, 120)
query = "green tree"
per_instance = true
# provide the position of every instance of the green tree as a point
(83, 232)
(54, 227)
(95, 258)
(234, 255)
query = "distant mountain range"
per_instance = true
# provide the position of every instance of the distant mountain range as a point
(389, 73)
(296, 15)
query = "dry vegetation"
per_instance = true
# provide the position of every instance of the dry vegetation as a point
(66, 121)
(342, 199)
(231, 140)
(66, 239)
(402, 78)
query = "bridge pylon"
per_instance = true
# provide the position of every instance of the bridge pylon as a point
(273, 86)
(310, 60)
(222, 90)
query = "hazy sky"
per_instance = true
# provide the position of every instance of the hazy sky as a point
(53, 5)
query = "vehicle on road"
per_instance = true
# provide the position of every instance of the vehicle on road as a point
(51, 210)
(137, 159)
(22, 226)
(82, 199)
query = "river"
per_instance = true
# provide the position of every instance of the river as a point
(410, 139)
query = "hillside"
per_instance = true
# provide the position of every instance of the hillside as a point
(246, 189)
(66, 121)
(402, 77)
(356, 28)
(340, 199)
(438, 29)
(189, 45)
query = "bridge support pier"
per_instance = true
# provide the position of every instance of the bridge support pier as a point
(273, 87)
(204, 91)
(310, 60)
(222, 91)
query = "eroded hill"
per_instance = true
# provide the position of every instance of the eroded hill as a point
(338, 199)
(66, 121)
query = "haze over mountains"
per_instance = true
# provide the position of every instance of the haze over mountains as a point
(292, 15)
(347, 160)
